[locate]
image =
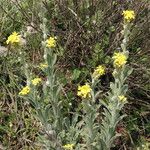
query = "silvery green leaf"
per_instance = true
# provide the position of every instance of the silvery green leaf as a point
(130, 70)
(112, 131)
(119, 119)
(54, 59)
(75, 119)
(32, 102)
(58, 90)
(124, 89)
(81, 123)
(127, 71)
(47, 110)
(114, 137)
(41, 116)
(66, 122)
(103, 145)
(59, 105)
(97, 94)
(112, 85)
(49, 60)
(123, 47)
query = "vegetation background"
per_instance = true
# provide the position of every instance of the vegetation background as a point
(88, 32)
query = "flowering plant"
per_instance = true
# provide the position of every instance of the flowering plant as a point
(82, 131)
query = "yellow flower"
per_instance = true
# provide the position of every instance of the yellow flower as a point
(122, 98)
(68, 146)
(43, 65)
(36, 81)
(128, 15)
(99, 71)
(119, 59)
(25, 90)
(14, 38)
(84, 91)
(51, 42)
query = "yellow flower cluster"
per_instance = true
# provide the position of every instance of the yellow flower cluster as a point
(84, 91)
(99, 71)
(36, 81)
(43, 65)
(122, 98)
(129, 15)
(68, 146)
(120, 59)
(51, 42)
(14, 38)
(25, 90)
